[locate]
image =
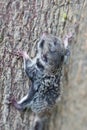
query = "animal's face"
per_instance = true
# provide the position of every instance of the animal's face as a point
(51, 50)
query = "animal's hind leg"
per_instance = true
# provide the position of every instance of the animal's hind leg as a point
(20, 105)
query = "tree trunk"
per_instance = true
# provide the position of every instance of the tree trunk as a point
(21, 24)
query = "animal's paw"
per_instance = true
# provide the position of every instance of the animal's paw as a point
(12, 100)
(67, 39)
(14, 103)
(23, 54)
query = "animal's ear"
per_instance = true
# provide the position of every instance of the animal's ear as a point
(66, 56)
(62, 58)
(41, 44)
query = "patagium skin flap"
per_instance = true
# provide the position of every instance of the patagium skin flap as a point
(45, 72)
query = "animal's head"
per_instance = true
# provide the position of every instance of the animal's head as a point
(52, 51)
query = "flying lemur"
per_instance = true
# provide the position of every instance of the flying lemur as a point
(45, 72)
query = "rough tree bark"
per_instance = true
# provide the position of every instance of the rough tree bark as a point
(21, 23)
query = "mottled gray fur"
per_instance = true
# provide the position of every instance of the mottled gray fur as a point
(45, 72)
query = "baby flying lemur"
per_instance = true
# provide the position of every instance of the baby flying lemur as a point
(44, 71)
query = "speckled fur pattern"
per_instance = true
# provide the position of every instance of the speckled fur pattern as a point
(45, 73)
(48, 90)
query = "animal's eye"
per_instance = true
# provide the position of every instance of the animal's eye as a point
(55, 43)
(45, 58)
(42, 43)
